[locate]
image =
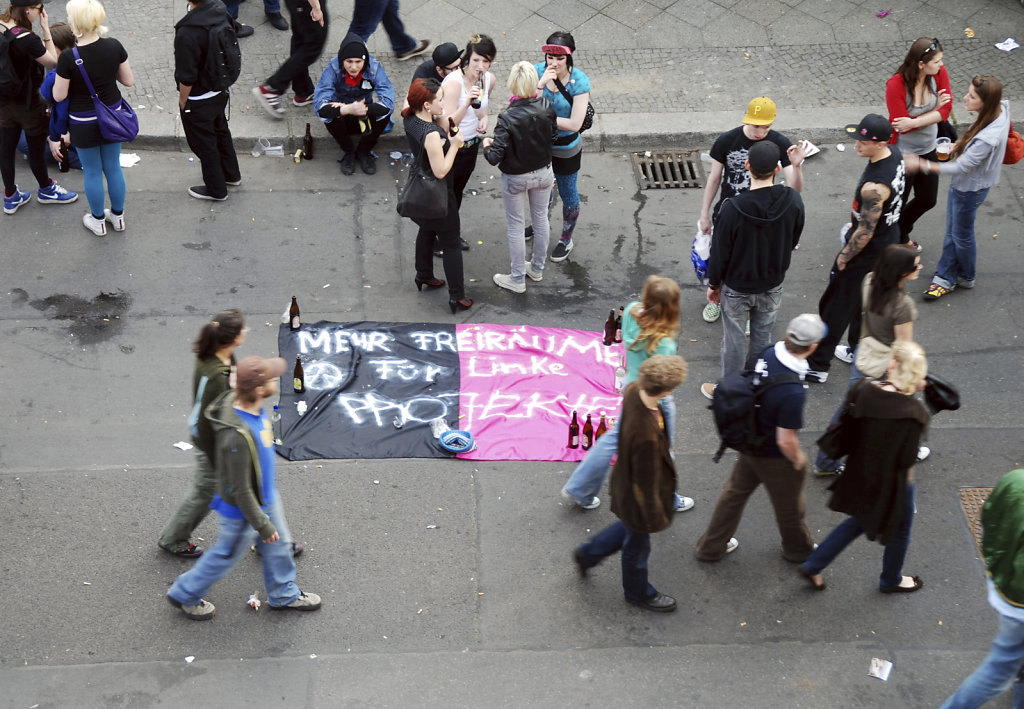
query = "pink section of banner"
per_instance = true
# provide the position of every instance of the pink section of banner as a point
(520, 385)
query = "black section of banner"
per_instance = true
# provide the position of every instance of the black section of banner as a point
(372, 389)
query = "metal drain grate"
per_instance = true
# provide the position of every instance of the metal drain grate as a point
(972, 499)
(664, 171)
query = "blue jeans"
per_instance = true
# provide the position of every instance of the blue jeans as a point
(892, 558)
(959, 260)
(516, 190)
(587, 479)
(762, 309)
(823, 462)
(233, 539)
(269, 6)
(99, 162)
(636, 549)
(367, 14)
(996, 672)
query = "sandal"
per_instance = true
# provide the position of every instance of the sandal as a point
(810, 578)
(935, 291)
(918, 583)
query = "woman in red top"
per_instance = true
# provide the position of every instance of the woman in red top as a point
(918, 98)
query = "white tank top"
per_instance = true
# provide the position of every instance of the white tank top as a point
(469, 123)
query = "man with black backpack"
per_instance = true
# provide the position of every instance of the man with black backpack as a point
(207, 61)
(770, 451)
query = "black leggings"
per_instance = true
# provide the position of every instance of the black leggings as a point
(926, 194)
(36, 157)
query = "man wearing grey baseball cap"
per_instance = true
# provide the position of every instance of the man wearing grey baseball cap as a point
(874, 224)
(781, 466)
(247, 501)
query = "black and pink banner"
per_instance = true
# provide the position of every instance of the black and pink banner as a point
(373, 389)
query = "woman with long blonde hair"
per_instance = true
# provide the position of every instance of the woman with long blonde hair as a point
(877, 487)
(649, 327)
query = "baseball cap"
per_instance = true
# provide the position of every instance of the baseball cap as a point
(254, 371)
(871, 127)
(445, 54)
(763, 157)
(805, 330)
(760, 112)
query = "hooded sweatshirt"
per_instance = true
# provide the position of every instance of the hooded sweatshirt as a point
(191, 39)
(979, 166)
(332, 87)
(1002, 545)
(754, 239)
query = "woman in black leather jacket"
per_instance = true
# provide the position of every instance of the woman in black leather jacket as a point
(521, 148)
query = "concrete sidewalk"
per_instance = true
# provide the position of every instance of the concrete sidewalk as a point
(663, 72)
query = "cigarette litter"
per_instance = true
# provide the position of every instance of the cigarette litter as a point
(254, 602)
(880, 669)
(183, 446)
(431, 526)
(376, 482)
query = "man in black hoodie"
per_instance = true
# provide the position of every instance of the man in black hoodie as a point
(755, 235)
(200, 104)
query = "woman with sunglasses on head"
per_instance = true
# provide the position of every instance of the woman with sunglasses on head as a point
(975, 163)
(23, 108)
(106, 62)
(467, 93)
(919, 98)
(558, 78)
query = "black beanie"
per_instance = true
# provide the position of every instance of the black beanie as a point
(352, 50)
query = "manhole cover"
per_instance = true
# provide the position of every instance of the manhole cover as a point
(972, 499)
(665, 171)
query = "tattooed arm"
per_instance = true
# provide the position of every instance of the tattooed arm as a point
(872, 197)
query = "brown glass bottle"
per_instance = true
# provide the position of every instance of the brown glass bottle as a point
(587, 439)
(609, 328)
(298, 377)
(618, 327)
(452, 128)
(602, 427)
(294, 323)
(574, 432)
(63, 165)
(307, 144)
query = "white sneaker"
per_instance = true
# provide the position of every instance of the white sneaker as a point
(116, 220)
(923, 452)
(683, 503)
(814, 376)
(505, 281)
(96, 226)
(711, 312)
(204, 610)
(730, 546)
(708, 390)
(534, 275)
(844, 354)
(592, 504)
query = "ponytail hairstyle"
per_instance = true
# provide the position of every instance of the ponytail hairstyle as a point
(658, 317)
(990, 91)
(220, 332)
(481, 45)
(895, 263)
(421, 91)
(909, 366)
(922, 50)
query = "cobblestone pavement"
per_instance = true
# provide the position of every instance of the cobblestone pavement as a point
(661, 58)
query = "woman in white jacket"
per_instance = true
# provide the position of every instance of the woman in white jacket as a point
(975, 165)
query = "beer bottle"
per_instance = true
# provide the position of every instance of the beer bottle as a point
(602, 428)
(307, 144)
(618, 327)
(609, 328)
(275, 424)
(620, 375)
(574, 432)
(293, 315)
(588, 434)
(63, 165)
(475, 103)
(298, 378)
(452, 128)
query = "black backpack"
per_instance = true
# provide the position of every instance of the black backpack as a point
(10, 83)
(223, 57)
(736, 404)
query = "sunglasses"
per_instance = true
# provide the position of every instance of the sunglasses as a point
(933, 47)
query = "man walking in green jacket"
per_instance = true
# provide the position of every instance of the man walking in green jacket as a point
(1002, 546)
(247, 500)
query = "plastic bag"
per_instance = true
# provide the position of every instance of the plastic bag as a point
(699, 253)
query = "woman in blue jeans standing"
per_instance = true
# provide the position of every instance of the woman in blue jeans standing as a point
(521, 148)
(649, 327)
(877, 488)
(975, 164)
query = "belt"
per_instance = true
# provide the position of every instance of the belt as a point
(470, 143)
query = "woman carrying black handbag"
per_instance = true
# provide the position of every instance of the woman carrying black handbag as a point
(435, 153)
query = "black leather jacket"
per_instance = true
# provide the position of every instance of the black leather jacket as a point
(523, 136)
